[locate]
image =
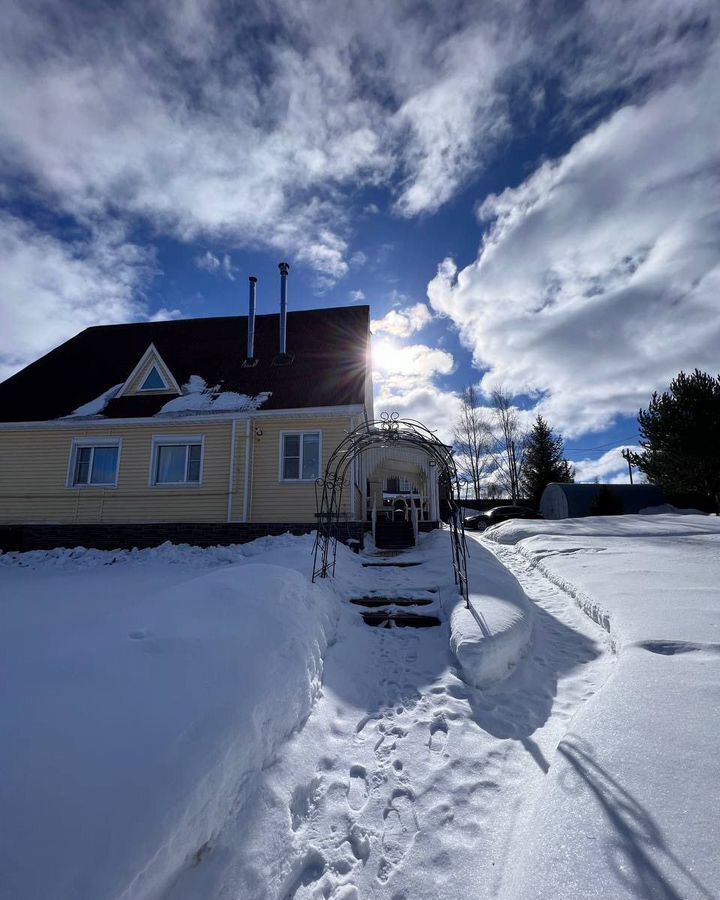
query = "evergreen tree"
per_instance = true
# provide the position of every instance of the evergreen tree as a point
(680, 436)
(544, 461)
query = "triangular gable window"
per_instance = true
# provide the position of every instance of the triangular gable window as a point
(150, 374)
(154, 381)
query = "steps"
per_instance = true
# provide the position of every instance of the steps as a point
(394, 535)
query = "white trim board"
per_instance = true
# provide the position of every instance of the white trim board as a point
(77, 423)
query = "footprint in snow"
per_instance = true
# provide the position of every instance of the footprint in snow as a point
(399, 830)
(357, 793)
(438, 736)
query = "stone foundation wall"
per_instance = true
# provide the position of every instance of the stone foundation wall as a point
(120, 537)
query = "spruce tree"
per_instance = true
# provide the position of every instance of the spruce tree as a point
(544, 461)
(680, 436)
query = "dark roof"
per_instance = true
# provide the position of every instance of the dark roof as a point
(329, 366)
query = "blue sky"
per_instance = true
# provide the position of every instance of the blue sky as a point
(525, 193)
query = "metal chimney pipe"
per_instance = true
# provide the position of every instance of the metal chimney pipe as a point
(284, 269)
(251, 319)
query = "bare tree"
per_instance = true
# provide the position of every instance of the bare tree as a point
(473, 440)
(509, 443)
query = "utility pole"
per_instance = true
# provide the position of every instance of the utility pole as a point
(626, 457)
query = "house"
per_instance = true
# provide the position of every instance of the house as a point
(207, 430)
(563, 501)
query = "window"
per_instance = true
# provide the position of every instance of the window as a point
(94, 464)
(300, 456)
(154, 381)
(176, 461)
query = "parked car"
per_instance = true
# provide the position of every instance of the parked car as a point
(481, 521)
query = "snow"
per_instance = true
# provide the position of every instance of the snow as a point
(629, 806)
(139, 702)
(183, 723)
(95, 407)
(198, 397)
(490, 637)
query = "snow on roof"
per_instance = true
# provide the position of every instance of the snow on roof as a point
(96, 406)
(198, 397)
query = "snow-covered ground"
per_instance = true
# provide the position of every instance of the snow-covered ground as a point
(196, 724)
(140, 694)
(630, 805)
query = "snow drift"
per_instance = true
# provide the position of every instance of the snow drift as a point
(139, 709)
(490, 637)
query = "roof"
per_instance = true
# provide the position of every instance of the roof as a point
(634, 497)
(329, 368)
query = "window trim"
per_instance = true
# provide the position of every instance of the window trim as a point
(318, 432)
(163, 440)
(79, 442)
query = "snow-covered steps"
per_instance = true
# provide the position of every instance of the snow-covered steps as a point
(390, 618)
(390, 565)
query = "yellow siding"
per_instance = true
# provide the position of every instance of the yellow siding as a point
(273, 500)
(34, 469)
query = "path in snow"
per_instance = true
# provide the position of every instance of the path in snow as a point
(404, 782)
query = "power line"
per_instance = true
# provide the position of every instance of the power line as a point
(617, 443)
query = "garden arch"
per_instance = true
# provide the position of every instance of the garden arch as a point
(389, 430)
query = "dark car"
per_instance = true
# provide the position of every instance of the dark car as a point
(484, 520)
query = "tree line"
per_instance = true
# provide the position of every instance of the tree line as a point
(496, 452)
(679, 440)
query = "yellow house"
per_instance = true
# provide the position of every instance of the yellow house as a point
(202, 430)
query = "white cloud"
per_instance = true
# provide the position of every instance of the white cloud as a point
(403, 322)
(215, 264)
(53, 289)
(405, 382)
(356, 296)
(155, 113)
(610, 468)
(599, 278)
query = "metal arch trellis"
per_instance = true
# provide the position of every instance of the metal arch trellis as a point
(388, 430)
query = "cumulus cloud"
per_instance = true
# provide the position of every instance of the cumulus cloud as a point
(405, 379)
(53, 289)
(610, 468)
(355, 296)
(598, 278)
(149, 109)
(403, 322)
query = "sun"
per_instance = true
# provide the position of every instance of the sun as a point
(386, 355)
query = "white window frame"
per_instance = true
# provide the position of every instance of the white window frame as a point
(281, 466)
(161, 440)
(77, 444)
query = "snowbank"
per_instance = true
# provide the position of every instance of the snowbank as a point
(138, 706)
(628, 806)
(490, 638)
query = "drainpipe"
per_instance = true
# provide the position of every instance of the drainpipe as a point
(246, 485)
(231, 478)
(251, 319)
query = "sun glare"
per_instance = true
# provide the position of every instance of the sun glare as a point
(386, 355)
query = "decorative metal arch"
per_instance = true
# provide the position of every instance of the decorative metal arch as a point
(383, 432)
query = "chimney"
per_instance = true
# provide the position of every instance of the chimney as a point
(284, 269)
(251, 361)
(283, 358)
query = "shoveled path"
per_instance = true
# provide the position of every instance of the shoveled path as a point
(405, 783)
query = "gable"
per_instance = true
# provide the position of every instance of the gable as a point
(151, 375)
